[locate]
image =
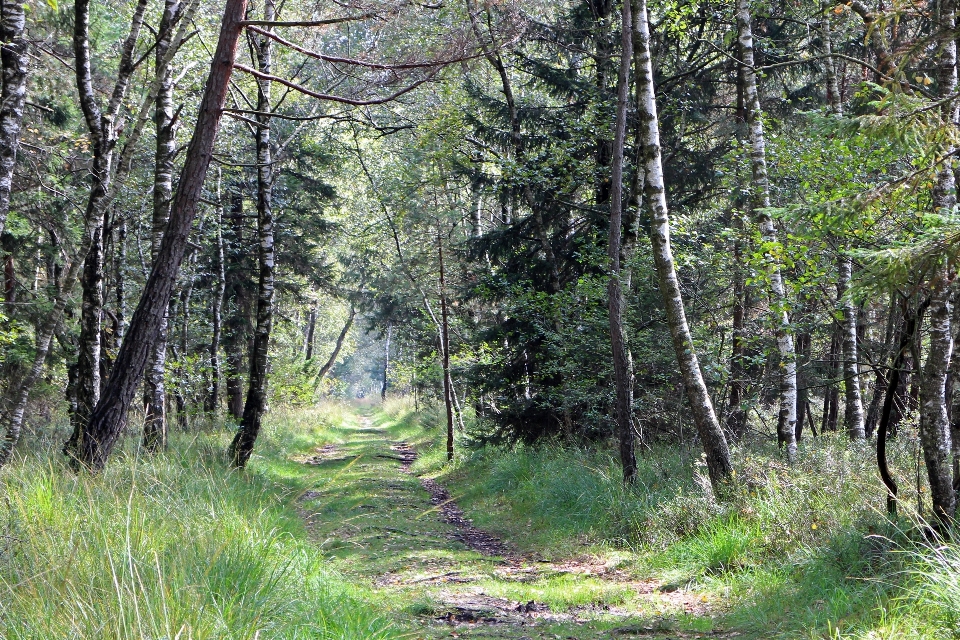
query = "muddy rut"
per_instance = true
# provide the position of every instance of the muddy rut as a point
(450, 578)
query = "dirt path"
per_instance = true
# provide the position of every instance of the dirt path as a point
(442, 577)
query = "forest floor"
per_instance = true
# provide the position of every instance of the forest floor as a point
(381, 525)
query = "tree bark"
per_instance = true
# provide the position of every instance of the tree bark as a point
(934, 421)
(907, 337)
(311, 328)
(65, 282)
(737, 413)
(155, 419)
(386, 363)
(882, 382)
(101, 432)
(711, 436)
(180, 373)
(853, 407)
(834, 100)
(242, 446)
(13, 95)
(102, 127)
(803, 393)
(831, 397)
(216, 313)
(325, 369)
(445, 349)
(623, 375)
(237, 323)
(787, 421)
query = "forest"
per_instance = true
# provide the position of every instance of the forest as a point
(375, 319)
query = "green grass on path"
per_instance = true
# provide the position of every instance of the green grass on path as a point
(175, 546)
(323, 536)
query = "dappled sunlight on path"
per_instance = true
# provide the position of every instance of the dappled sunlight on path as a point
(442, 577)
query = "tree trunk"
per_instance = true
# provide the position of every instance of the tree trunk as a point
(737, 413)
(325, 369)
(155, 419)
(13, 95)
(102, 129)
(907, 336)
(120, 285)
(110, 414)
(445, 349)
(883, 376)
(180, 389)
(213, 395)
(831, 398)
(386, 363)
(714, 443)
(623, 375)
(934, 422)
(853, 407)
(242, 446)
(65, 282)
(311, 328)
(834, 100)
(803, 393)
(787, 421)
(237, 324)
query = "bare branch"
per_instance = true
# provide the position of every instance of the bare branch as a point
(307, 23)
(332, 98)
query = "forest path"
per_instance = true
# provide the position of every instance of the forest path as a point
(438, 575)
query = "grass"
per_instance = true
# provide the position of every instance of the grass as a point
(562, 592)
(175, 546)
(800, 550)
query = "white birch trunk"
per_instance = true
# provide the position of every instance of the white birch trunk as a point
(714, 442)
(787, 421)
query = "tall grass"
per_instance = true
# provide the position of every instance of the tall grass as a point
(174, 546)
(796, 550)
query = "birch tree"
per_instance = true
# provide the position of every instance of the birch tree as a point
(714, 443)
(787, 420)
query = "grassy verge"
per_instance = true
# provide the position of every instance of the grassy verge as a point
(800, 550)
(173, 547)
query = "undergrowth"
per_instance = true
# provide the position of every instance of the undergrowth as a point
(172, 546)
(801, 550)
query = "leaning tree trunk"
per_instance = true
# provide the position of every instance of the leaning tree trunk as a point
(108, 418)
(13, 95)
(17, 397)
(787, 420)
(155, 397)
(242, 446)
(623, 375)
(325, 369)
(907, 336)
(711, 435)
(102, 127)
(853, 407)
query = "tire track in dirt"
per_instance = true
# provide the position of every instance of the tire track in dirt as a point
(458, 592)
(480, 541)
